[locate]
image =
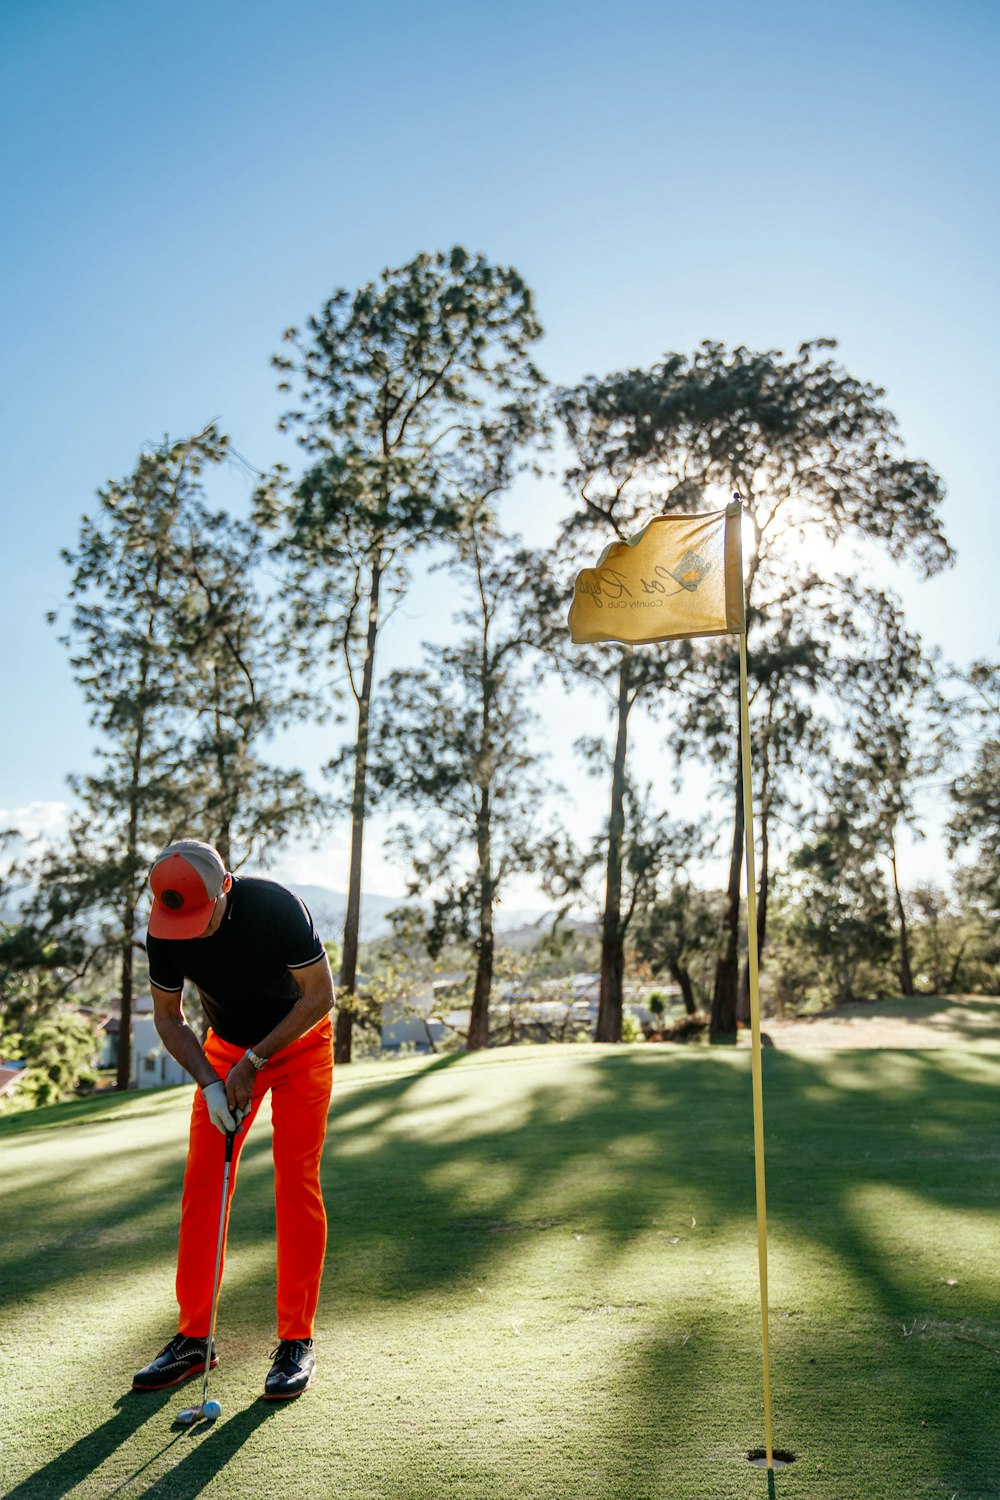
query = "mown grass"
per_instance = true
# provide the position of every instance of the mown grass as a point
(541, 1282)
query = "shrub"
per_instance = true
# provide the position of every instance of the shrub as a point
(631, 1030)
(59, 1052)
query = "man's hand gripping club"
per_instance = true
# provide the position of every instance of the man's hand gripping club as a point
(224, 1119)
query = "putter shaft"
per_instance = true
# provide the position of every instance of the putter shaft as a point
(230, 1139)
(190, 1414)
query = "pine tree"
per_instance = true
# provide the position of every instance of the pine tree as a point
(456, 747)
(123, 649)
(393, 379)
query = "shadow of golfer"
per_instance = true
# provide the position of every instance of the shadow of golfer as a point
(211, 1449)
(67, 1469)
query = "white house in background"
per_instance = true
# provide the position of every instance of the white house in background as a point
(419, 1029)
(107, 1044)
(152, 1065)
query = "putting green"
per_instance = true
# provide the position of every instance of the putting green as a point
(541, 1282)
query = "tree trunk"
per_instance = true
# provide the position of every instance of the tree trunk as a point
(609, 1010)
(344, 1026)
(479, 1019)
(223, 839)
(952, 980)
(724, 996)
(905, 970)
(762, 888)
(124, 1072)
(682, 976)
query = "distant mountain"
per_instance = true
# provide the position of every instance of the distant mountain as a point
(330, 907)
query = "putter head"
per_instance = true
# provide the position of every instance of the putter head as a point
(188, 1416)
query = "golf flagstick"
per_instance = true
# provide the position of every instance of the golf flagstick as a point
(192, 1413)
(756, 1070)
(628, 597)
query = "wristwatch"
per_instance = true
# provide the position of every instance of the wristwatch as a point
(255, 1062)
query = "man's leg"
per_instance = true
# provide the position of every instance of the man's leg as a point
(202, 1198)
(300, 1100)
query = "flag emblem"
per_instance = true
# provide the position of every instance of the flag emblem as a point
(690, 570)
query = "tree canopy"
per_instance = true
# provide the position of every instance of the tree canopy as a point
(809, 448)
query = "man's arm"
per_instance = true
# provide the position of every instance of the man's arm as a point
(315, 1002)
(178, 1038)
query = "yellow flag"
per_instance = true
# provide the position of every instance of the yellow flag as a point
(679, 576)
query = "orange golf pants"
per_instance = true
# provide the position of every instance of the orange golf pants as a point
(299, 1078)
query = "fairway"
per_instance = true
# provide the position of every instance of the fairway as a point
(541, 1284)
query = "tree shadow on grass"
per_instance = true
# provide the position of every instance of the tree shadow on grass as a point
(62, 1223)
(62, 1220)
(845, 1136)
(99, 1109)
(210, 1450)
(676, 1136)
(210, 1447)
(621, 1144)
(69, 1468)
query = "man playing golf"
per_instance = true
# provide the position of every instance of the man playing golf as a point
(251, 948)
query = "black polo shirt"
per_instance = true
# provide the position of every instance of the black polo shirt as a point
(245, 970)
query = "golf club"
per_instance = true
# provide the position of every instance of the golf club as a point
(212, 1409)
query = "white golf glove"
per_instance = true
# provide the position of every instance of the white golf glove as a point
(219, 1112)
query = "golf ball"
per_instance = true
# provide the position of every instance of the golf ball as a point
(213, 1409)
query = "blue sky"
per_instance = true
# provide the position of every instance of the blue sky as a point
(183, 181)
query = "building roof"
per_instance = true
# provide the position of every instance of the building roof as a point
(9, 1076)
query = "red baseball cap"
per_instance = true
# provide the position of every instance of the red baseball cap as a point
(186, 880)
